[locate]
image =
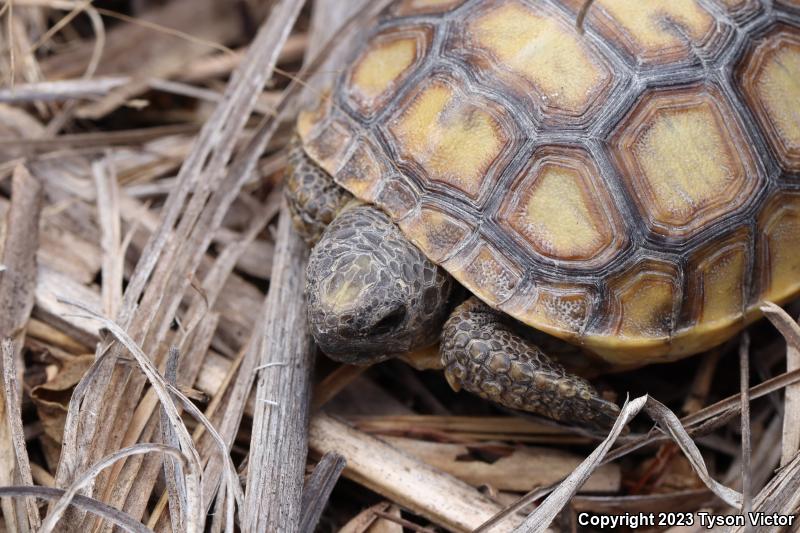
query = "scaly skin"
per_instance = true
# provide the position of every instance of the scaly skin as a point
(482, 352)
(372, 295)
(314, 198)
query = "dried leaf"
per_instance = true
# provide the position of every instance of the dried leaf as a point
(109, 219)
(744, 386)
(414, 485)
(176, 485)
(791, 332)
(97, 507)
(541, 518)
(163, 390)
(17, 286)
(318, 487)
(52, 397)
(87, 477)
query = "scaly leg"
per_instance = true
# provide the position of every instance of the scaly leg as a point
(314, 198)
(482, 353)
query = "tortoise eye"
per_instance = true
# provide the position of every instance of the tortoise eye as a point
(390, 322)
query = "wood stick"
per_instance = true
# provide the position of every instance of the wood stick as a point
(53, 286)
(459, 428)
(318, 489)
(99, 140)
(48, 334)
(426, 491)
(50, 91)
(698, 393)
(20, 242)
(278, 445)
(15, 456)
(17, 286)
(517, 469)
(334, 383)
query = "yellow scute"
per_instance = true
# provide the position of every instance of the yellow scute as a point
(558, 214)
(647, 307)
(382, 64)
(652, 23)
(778, 88)
(783, 244)
(450, 136)
(722, 287)
(308, 119)
(687, 162)
(548, 53)
(559, 309)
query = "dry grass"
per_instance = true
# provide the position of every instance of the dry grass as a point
(157, 373)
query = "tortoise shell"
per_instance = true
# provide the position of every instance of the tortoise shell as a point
(633, 188)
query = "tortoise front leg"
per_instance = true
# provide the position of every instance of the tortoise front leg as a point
(314, 198)
(482, 353)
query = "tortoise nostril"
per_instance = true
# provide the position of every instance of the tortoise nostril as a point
(390, 322)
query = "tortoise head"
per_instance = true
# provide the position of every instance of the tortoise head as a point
(371, 293)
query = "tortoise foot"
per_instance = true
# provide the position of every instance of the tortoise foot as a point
(482, 353)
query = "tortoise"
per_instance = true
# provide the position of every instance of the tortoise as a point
(630, 186)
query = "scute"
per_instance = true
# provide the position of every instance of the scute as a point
(673, 137)
(558, 308)
(387, 60)
(560, 207)
(654, 32)
(487, 272)
(736, 7)
(742, 11)
(779, 228)
(642, 208)
(362, 171)
(435, 232)
(771, 85)
(539, 53)
(455, 139)
(645, 299)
